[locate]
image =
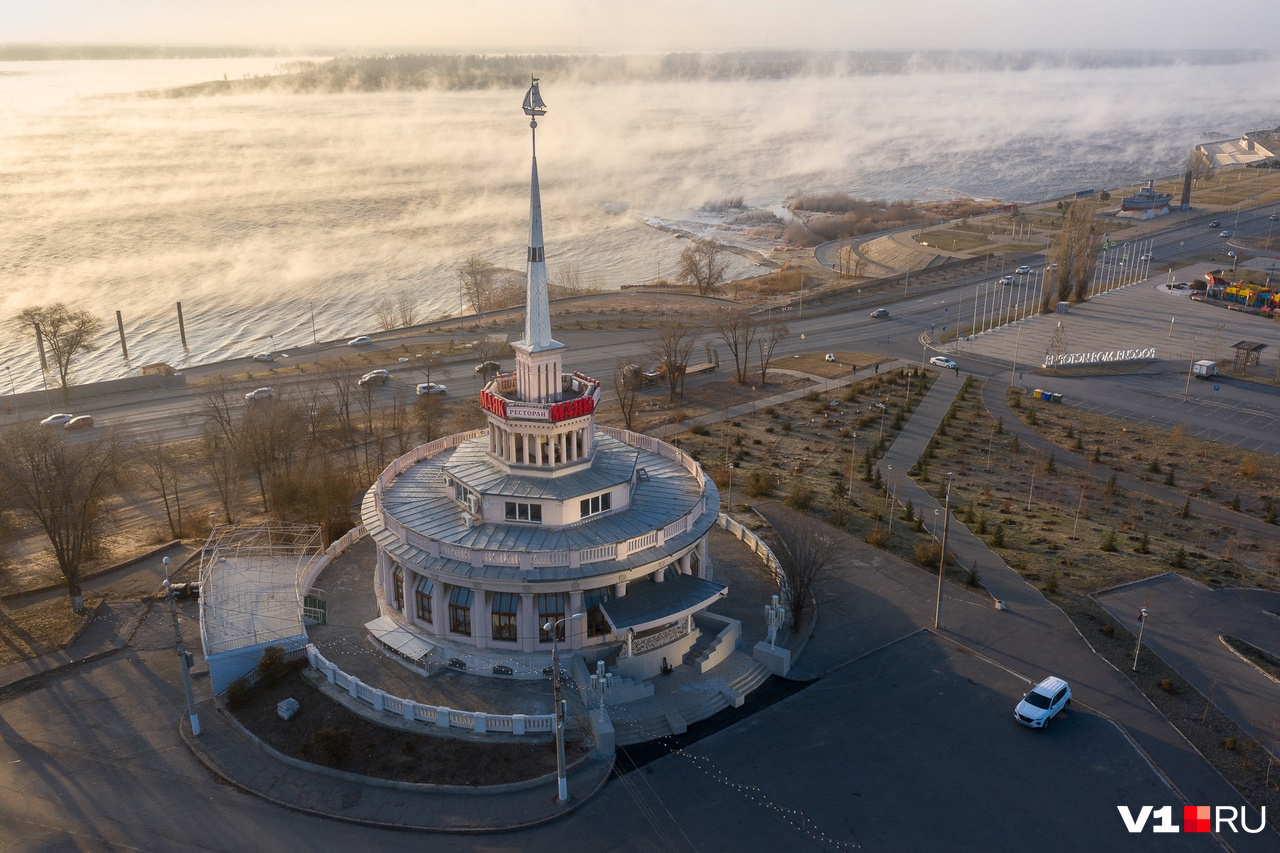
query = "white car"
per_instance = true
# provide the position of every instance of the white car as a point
(362, 341)
(1023, 270)
(431, 388)
(259, 394)
(880, 313)
(375, 377)
(1043, 702)
(831, 356)
(56, 420)
(1147, 256)
(1008, 279)
(942, 361)
(1226, 233)
(265, 356)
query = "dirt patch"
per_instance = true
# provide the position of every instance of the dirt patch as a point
(38, 629)
(325, 732)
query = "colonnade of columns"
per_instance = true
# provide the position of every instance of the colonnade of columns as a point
(539, 449)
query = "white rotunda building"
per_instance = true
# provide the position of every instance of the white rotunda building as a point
(484, 538)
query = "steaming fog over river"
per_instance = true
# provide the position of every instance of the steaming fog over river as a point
(253, 208)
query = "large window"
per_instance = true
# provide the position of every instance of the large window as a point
(460, 610)
(524, 512)
(597, 625)
(551, 608)
(504, 615)
(423, 595)
(397, 581)
(596, 505)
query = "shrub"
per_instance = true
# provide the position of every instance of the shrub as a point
(1166, 684)
(1108, 631)
(332, 745)
(909, 512)
(800, 496)
(1229, 743)
(786, 426)
(1154, 467)
(1109, 541)
(272, 666)
(928, 554)
(1185, 512)
(1144, 543)
(1097, 454)
(760, 482)
(699, 429)
(997, 537)
(877, 537)
(1031, 416)
(1269, 512)
(971, 576)
(237, 695)
(1235, 502)
(1051, 583)
(1179, 560)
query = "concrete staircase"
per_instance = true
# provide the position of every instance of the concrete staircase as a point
(684, 697)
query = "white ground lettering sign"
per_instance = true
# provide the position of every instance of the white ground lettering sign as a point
(1106, 357)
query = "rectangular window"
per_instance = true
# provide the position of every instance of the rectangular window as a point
(423, 595)
(524, 512)
(597, 625)
(503, 613)
(596, 505)
(551, 608)
(460, 611)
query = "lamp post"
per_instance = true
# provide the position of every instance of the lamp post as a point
(729, 502)
(937, 612)
(554, 627)
(853, 458)
(1142, 623)
(892, 494)
(13, 389)
(183, 655)
(315, 345)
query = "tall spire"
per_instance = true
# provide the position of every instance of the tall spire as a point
(537, 318)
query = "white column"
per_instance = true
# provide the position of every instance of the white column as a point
(579, 628)
(527, 623)
(481, 619)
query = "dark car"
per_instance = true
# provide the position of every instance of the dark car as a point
(1214, 223)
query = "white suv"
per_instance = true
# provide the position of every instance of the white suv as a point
(1044, 701)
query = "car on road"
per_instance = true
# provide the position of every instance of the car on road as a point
(1023, 270)
(375, 377)
(1213, 223)
(265, 356)
(1006, 279)
(79, 422)
(1226, 233)
(880, 313)
(56, 420)
(431, 388)
(1043, 702)
(1273, 217)
(260, 394)
(362, 341)
(942, 361)
(488, 368)
(1147, 256)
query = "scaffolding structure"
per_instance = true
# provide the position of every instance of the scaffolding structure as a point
(250, 585)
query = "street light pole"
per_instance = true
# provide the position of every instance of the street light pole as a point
(946, 517)
(1142, 624)
(554, 627)
(183, 656)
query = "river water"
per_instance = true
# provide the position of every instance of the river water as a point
(257, 210)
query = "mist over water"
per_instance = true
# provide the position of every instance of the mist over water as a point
(252, 209)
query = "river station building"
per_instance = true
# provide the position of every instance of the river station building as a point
(484, 538)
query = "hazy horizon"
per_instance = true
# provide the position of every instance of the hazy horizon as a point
(659, 25)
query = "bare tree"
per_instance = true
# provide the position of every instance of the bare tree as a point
(65, 333)
(809, 547)
(406, 307)
(64, 487)
(738, 331)
(385, 310)
(342, 376)
(272, 433)
(627, 379)
(848, 261)
(479, 280)
(429, 413)
(154, 464)
(1075, 251)
(317, 493)
(770, 336)
(671, 349)
(702, 265)
(568, 280)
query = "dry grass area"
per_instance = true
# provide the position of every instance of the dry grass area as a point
(37, 629)
(325, 732)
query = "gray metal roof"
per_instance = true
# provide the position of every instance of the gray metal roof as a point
(418, 500)
(647, 604)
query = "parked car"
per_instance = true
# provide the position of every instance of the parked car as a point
(1023, 270)
(942, 361)
(265, 356)
(1008, 279)
(1043, 702)
(880, 313)
(1226, 233)
(1213, 223)
(56, 420)
(79, 422)
(431, 388)
(260, 394)
(362, 341)
(488, 368)
(375, 377)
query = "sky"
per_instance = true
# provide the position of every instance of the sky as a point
(616, 26)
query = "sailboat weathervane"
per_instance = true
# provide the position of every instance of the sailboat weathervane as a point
(534, 107)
